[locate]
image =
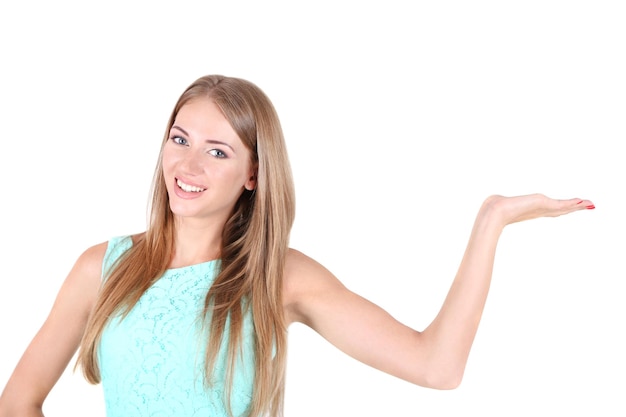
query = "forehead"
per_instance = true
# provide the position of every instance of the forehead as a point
(202, 118)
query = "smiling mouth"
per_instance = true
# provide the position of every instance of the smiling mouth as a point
(188, 188)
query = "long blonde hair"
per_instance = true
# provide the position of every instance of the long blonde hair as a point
(254, 247)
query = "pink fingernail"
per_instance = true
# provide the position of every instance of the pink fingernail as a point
(590, 207)
(579, 202)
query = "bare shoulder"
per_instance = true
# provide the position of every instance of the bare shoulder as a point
(303, 273)
(84, 280)
(89, 263)
(305, 280)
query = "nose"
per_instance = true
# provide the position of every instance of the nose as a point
(193, 162)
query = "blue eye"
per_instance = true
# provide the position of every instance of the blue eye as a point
(179, 140)
(217, 153)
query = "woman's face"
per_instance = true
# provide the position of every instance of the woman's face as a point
(206, 166)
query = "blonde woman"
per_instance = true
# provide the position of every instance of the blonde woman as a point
(191, 316)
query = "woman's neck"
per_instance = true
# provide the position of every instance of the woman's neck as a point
(196, 242)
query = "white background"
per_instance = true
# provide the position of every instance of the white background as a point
(400, 117)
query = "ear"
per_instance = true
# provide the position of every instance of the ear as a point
(251, 183)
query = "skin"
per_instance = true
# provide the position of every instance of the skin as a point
(435, 357)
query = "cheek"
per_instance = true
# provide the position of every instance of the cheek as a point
(231, 177)
(168, 161)
(224, 175)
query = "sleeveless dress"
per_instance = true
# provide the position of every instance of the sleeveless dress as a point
(152, 360)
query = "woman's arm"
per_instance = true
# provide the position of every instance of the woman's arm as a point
(55, 343)
(435, 357)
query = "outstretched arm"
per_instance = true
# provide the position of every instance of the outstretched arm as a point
(452, 332)
(435, 357)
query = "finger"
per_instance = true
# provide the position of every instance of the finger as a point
(582, 204)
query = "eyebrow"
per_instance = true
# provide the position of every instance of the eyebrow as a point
(211, 141)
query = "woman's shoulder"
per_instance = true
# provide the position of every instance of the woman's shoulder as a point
(299, 266)
(94, 258)
(304, 281)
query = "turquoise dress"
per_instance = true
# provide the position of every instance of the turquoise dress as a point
(152, 361)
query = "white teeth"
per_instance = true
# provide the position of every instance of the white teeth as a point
(188, 188)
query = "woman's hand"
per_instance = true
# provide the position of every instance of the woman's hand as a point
(516, 209)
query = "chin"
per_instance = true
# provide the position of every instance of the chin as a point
(183, 210)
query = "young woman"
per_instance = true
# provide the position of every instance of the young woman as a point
(191, 316)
